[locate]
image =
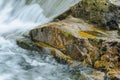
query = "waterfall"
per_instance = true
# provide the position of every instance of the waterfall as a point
(15, 14)
(17, 17)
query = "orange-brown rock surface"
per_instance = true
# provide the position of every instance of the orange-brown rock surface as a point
(74, 40)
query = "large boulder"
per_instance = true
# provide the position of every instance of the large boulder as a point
(73, 40)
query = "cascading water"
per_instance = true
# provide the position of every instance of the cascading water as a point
(18, 64)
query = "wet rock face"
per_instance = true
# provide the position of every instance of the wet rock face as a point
(101, 13)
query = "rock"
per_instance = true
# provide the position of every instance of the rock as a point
(72, 40)
(80, 72)
(78, 43)
(44, 48)
(102, 13)
(114, 75)
(89, 75)
(57, 54)
(26, 43)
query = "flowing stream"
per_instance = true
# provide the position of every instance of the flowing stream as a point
(16, 17)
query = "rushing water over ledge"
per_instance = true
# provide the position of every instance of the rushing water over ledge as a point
(18, 64)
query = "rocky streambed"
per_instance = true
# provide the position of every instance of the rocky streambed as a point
(87, 35)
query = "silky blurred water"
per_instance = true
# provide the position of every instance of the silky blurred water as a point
(16, 63)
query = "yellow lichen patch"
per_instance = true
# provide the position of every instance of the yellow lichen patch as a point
(91, 34)
(86, 35)
(91, 27)
(97, 64)
(102, 64)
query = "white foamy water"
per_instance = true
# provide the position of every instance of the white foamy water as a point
(18, 64)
